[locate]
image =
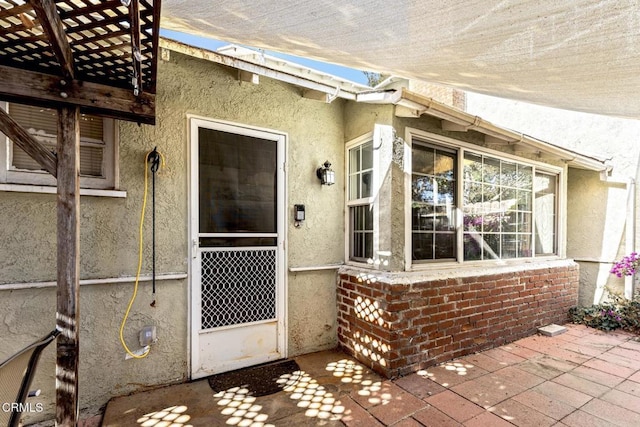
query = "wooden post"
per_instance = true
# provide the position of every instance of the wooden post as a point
(68, 313)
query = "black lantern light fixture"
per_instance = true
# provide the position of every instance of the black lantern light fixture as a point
(325, 174)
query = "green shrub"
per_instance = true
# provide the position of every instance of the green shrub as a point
(617, 313)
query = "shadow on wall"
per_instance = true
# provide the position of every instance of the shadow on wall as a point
(596, 218)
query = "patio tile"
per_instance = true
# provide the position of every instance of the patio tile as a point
(547, 367)
(488, 390)
(455, 406)
(521, 351)
(563, 394)
(378, 393)
(597, 376)
(504, 356)
(544, 404)
(583, 419)
(355, 415)
(581, 384)
(567, 355)
(407, 422)
(635, 377)
(585, 349)
(521, 415)
(614, 414)
(625, 400)
(629, 353)
(483, 361)
(518, 376)
(537, 343)
(402, 406)
(486, 419)
(432, 417)
(419, 385)
(453, 373)
(619, 360)
(632, 344)
(610, 368)
(630, 387)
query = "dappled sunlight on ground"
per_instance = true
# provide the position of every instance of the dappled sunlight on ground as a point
(241, 408)
(441, 372)
(313, 397)
(174, 416)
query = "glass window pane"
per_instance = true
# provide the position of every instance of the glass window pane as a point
(472, 246)
(524, 200)
(422, 246)
(367, 155)
(423, 159)
(472, 167)
(525, 176)
(366, 189)
(445, 191)
(422, 189)
(445, 245)
(354, 160)
(444, 164)
(237, 180)
(491, 170)
(545, 227)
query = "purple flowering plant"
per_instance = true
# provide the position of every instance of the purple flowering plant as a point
(627, 266)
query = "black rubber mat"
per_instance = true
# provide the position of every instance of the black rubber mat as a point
(260, 380)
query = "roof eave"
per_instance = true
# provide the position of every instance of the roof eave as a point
(332, 92)
(417, 105)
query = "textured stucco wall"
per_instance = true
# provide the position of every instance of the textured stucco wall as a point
(110, 229)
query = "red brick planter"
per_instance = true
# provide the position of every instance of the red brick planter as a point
(397, 323)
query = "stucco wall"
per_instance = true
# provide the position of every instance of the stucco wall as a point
(110, 229)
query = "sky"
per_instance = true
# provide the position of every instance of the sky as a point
(212, 44)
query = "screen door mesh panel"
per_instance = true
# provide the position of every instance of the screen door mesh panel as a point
(238, 286)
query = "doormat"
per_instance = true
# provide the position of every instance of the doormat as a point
(259, 380)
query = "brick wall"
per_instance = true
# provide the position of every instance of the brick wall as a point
(397, 324)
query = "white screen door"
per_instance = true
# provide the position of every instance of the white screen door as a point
(237, 222)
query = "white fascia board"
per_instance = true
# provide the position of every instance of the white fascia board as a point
(240, 64)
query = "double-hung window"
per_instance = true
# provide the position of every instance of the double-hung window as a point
(472, 205)
(360, 203)
(97, 148)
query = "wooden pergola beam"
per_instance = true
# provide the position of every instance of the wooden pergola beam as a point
(33, 88)
(134, 13)
(34, 148)
(52, 26)
(68, 248)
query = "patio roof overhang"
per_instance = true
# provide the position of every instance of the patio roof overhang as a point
(575, 54)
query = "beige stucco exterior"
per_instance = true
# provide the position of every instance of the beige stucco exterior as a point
(109, 233)
(189, 87)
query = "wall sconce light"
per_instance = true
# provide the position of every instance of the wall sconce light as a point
(325, 174)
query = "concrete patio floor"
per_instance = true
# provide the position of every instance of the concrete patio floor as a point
(583, 378)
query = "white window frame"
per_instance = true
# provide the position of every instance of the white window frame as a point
(15, 180)
(370, 201)
(461, 147)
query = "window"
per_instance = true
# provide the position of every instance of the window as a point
(433, 203)
(507, 208)
(496, 208)
(360, 201)
(97, 148)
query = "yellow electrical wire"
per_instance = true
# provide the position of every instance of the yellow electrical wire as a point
(135, 286)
